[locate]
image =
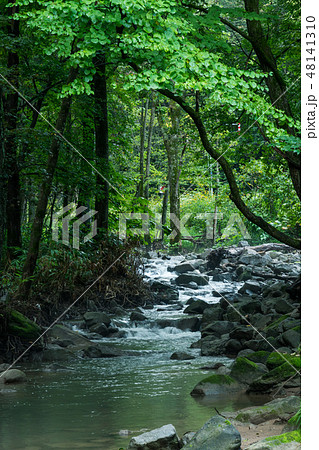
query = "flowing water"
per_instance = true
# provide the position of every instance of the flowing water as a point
(101, 403)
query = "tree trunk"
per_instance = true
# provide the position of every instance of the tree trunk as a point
(148, 153)
(101, 142)
(3, 193)
(13, 208)
(276, 84)
(172, 142)
(140, 188)
(37, 226)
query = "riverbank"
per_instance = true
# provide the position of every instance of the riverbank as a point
(189, 314)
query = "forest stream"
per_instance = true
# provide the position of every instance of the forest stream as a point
(101, 403)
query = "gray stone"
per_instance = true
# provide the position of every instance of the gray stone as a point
(271, 410)
(12, 376)
(246, 371)
(292, 338)
(216, 434)
(181, 356)
(219, 328)
(64, 333)
(99, 328)
(185, 278)
(164, 438)
(216, 384)
(164, 292)
(56, 353)
(281, 306)
(250, 286)
(196, 307)
(137, 316)
(188, 266)
(94, 318)
(266, 445)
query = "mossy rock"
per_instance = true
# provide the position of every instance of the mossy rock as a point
(276, 322)
(216, 384)
(246, 371)
(259, 357)
(21, 326)
(292, 436)
(269, 411)
(273, 378)
(276, 359)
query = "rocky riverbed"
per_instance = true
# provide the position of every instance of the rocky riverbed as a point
(241, 304)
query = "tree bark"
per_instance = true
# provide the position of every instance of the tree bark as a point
(140, 188)
(13, 208)
(101, 141)
(172, 142)
(3, 193)
(234, 190)
(37, 226)
(148, 152)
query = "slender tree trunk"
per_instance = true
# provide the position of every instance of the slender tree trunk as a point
(13, 209)
(149, 147)
(172, 143)
(101, 142)
(276, 84)
(215, 220)
(140, 189)
(3, 193)
(164, 209)
(36, 232)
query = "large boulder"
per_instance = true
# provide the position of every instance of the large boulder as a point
(286, 441)
(63, 333)
(276, 377)
(279, 408)
(217, 434)
(196, 307)
(164, 438)
(186, 278)
(246, 371)
(19, 325)
(188, 266)
(218, 328)
(12, 376)
(215, 385)
(95, 318)
(164, 292)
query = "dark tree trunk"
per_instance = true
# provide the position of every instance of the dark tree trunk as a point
(13, 208)
(140, 189)
(276, 84)
(172, 143)
(148, 152)
(45, 190)
(101, 142)
(3, 193)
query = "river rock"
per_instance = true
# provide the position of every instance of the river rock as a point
(292, 338)
(250, 287)
(217, 434)
(181, 356)
(164, 292)
(275, 409)
(218, 328)
(246, 371)
(137, 316)
(164, 438)
(19, 325)
(275, 443)
(196, 307)
(188, 266)
(12, 376)
(95, 318)
(216, 384)
(186, 278)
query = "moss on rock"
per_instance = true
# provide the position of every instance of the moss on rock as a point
(292, 436)
(259, 357)
(276, 359)
(21, 326)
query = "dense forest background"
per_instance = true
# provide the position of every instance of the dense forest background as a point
(134, 106)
